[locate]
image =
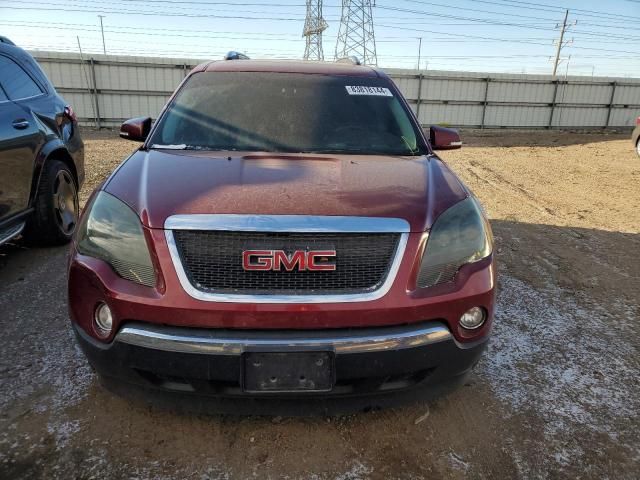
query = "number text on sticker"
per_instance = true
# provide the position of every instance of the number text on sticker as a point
(365, 90)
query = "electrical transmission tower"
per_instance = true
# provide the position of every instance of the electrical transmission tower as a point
(314, 25)
(356, 36)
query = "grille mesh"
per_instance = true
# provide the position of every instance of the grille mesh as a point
(213, 261)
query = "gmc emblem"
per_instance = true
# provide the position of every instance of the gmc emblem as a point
(278, 260)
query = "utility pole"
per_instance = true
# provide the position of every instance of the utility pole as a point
(559, 46)
(419, 51)
(356, 35)
(86, 77)
(314, 25)
(104, 48)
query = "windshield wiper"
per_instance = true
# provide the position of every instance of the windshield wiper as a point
(357, 151)
(411, 149)
(336, 150)
(211, 148)
(180, 146)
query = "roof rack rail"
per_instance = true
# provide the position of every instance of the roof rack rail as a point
(6, 40)
(233, 55)
(352, 59)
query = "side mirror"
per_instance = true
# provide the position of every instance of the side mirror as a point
(136, 129)
(444, 138)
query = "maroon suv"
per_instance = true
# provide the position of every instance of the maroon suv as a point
(285, 238)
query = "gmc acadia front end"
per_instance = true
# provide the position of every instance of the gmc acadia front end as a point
(284, 240)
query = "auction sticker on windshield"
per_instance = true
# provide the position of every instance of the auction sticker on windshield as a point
(365, 90)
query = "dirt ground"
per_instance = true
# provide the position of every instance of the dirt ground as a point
(556, 395)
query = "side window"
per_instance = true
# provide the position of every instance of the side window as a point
(15, 81)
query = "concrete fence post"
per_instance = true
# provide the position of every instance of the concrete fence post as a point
(419, 101)
(95, 93)
(613, 94)
(553, 102)
(484, 102)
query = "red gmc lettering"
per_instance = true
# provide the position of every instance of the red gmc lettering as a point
(280, 259)
(277, 260)
(323, 266)
(257, 259)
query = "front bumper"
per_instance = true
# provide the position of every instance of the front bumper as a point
(201, 369)
(166, 343)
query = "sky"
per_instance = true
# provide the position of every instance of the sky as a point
(511, 36)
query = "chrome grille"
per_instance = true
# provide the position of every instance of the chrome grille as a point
(212, 261)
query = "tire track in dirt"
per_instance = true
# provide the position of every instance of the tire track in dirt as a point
(500, 183)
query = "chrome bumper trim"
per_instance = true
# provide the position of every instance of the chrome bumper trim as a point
(227, 342)
(286, 223)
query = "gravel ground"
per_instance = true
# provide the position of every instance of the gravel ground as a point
(556, 395)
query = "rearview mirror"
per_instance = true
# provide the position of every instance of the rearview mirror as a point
(444, 138)
(136, 129)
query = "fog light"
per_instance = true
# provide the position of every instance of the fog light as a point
(103, 320)
(473, 318)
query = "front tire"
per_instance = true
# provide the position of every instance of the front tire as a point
(56, 206)
(638, 146)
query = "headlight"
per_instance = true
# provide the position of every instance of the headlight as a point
(460, 235)
(112, 232)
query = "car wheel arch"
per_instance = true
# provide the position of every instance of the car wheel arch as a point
(53, 150)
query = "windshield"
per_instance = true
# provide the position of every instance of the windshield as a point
(278, 112)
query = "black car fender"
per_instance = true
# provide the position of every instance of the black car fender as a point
(53, 148)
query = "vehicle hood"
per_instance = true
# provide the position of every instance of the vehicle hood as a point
(160, 183)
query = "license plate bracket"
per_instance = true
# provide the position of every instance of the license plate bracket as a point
(286, 372)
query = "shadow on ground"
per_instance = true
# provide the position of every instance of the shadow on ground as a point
(540, 138)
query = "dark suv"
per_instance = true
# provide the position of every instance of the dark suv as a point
(41, 153)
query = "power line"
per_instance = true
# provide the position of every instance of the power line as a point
(137, 29)
(475, 37)
(501, 39)
(233, 4)
(169, 9)
(411, 16)
(554, 8)
(421, 2)
(191, 31)
(497, 22)
(262, 36)
(457, 17)
(428, 14)
(155, 14)
(220, 35)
